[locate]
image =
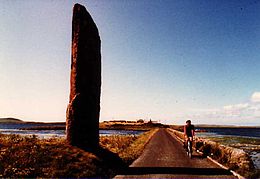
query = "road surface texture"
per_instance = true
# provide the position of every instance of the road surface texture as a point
(164, 157)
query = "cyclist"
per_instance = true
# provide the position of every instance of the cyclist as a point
(189, 132)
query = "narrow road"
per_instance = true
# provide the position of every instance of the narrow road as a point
(164, 157)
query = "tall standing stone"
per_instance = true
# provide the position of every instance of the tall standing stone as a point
(82, 123)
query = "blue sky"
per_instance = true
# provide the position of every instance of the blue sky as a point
(164, 60)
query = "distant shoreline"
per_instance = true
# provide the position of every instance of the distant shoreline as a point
(139, 127)
(217, 126)
(113, 125)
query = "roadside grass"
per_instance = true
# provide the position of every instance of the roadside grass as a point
(30, 157)
(128, 147)
(249, 146)
(233, 158)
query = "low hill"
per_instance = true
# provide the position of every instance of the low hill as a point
(10, 120)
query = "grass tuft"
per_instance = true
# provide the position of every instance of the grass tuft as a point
(33, 157)
(127, 147)
(233, 158)
(30, 157)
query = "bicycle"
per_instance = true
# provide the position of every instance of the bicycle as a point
(189, 147)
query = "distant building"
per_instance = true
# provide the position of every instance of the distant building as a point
(140, 121)
(152, 122)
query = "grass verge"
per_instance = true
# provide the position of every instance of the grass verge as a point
(232, 158)
(127, 147)
(30, 157)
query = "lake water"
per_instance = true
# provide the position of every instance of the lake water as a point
(241, 132)
(16, 129)
(247, 139)
(216, 132)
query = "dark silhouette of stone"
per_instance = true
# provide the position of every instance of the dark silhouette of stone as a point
(82, 123)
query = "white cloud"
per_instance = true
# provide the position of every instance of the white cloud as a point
(240, 106)
(247, 113)
(255, 97)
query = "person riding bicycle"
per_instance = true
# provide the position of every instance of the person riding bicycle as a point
(189, 132)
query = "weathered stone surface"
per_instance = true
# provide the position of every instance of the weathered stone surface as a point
(85, 82)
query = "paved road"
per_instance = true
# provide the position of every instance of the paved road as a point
(164, 157)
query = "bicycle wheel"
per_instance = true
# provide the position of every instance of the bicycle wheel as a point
(189, 153)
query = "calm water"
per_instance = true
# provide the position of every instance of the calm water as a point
(16, 129)
(241, 132)
(246, 139)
